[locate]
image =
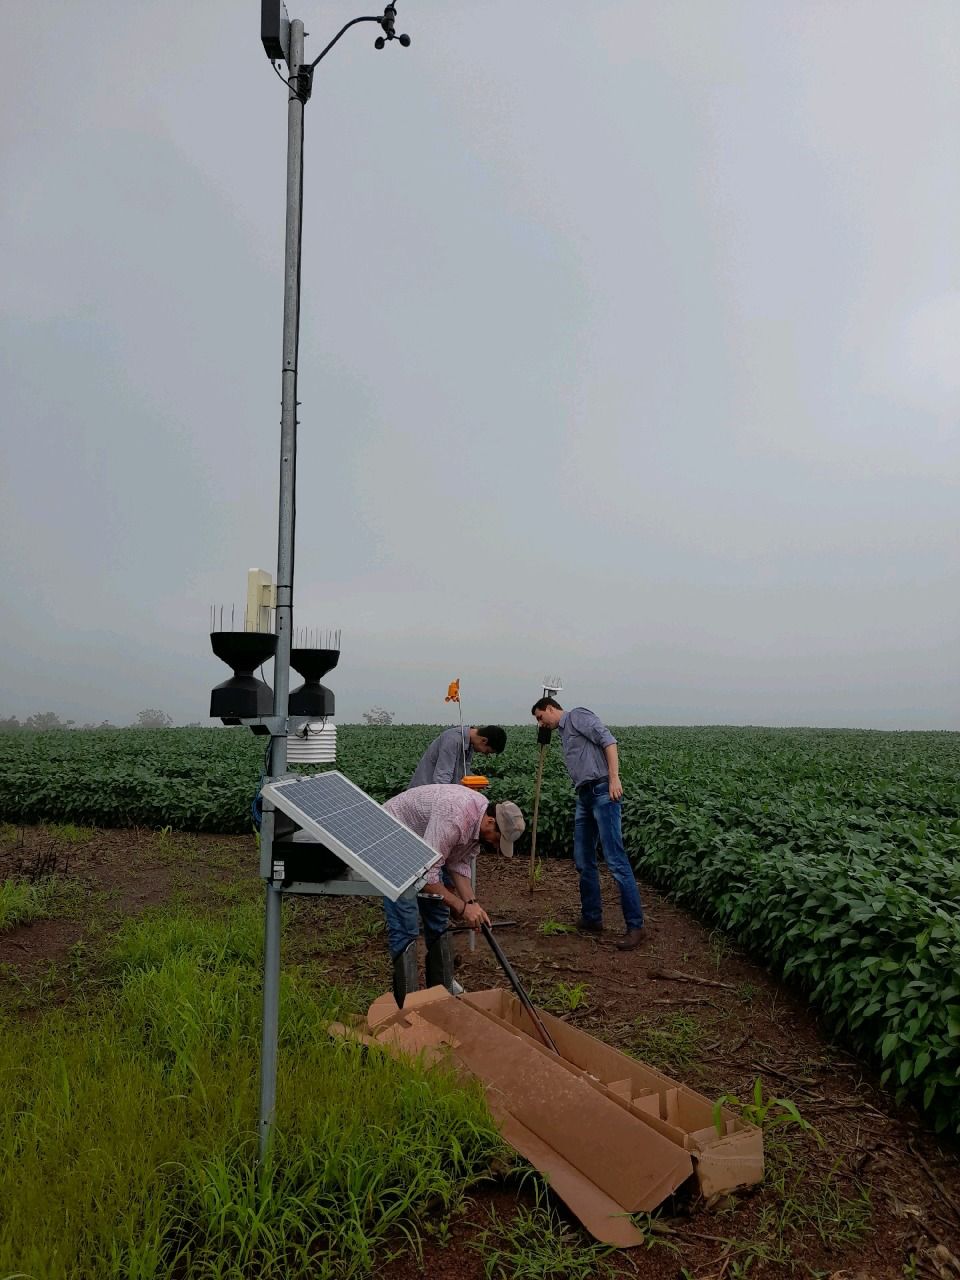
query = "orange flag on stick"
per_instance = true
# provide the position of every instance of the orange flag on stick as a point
(453, 691)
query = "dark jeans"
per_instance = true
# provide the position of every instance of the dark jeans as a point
(403, 920)
(598, 819)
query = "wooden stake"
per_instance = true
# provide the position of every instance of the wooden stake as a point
(536, 814)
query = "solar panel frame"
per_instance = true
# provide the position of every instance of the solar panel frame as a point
(338, 810)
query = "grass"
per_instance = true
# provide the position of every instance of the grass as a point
(566, 997)
(801, 1203)
(537, 1244)
(129, 1121)
(23, 901)
(720, 949)
(19, 994)
(550, 928)
(69, 833)
(804, 1197)
(671, 1040)
(361, 921)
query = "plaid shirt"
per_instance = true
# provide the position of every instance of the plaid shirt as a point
(447, 816)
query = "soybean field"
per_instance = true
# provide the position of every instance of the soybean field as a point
(832, 855)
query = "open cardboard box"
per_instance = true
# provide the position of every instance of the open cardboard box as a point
(611, 1135)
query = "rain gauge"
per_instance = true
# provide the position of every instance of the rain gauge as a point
(244, 698)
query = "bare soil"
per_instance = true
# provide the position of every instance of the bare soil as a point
(719, 1028)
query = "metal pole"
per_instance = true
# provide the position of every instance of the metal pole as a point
(284, 606)
(271, 1018)
(288, 412)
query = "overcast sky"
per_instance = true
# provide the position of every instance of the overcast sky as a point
(630, 351)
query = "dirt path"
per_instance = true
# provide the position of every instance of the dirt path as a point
(724, 1025)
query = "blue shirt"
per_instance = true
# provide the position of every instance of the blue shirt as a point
(443, 760)
(584, 737)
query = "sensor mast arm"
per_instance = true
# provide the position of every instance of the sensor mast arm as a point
(386, 20)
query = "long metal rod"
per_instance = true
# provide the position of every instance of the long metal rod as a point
(284, 603)
(536, 815)
(271, 1018)
(522, 996)
(288, 411)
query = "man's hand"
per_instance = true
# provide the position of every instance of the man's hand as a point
(474, 915)
(616, 790)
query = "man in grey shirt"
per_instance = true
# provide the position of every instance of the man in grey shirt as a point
(448, 757)
(590, 754)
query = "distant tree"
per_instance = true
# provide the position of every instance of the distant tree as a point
(377, 715)
(153, 719)
(8, 724)
(44, 721)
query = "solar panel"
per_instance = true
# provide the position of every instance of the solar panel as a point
(346, 820)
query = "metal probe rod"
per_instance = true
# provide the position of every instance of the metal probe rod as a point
(514, 981)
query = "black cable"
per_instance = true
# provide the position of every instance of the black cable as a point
(296, 368)
(287, 80)
(256, 805)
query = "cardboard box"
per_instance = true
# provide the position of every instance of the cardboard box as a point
(611, 1135)
(722, 1162)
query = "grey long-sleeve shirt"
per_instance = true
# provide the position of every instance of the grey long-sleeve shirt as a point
(584, 736)
(443, 760)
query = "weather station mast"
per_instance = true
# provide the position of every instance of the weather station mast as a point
(299, 852)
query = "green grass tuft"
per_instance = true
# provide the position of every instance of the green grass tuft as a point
(537, 1244)
(23, 901)
(129, 1123)
(550, 928)
(671, 1040)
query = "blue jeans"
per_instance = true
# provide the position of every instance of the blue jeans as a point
(403, 920)
(598, 818)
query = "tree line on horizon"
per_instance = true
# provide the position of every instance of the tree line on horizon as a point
(149, 718)
(46, 721)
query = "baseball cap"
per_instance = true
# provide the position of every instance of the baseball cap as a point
(511, 824)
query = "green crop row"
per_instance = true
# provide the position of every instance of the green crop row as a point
(878, 957)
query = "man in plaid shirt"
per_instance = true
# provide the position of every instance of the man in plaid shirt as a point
(458, 823)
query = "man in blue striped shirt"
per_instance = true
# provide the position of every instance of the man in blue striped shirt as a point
(590, 754)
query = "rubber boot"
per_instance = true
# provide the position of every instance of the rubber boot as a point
(440, 962)
(405, 972)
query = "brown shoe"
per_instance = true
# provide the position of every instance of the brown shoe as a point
(589, 926)
(632, 938)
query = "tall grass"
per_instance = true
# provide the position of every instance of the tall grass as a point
(128, 1124)
(22, 901)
